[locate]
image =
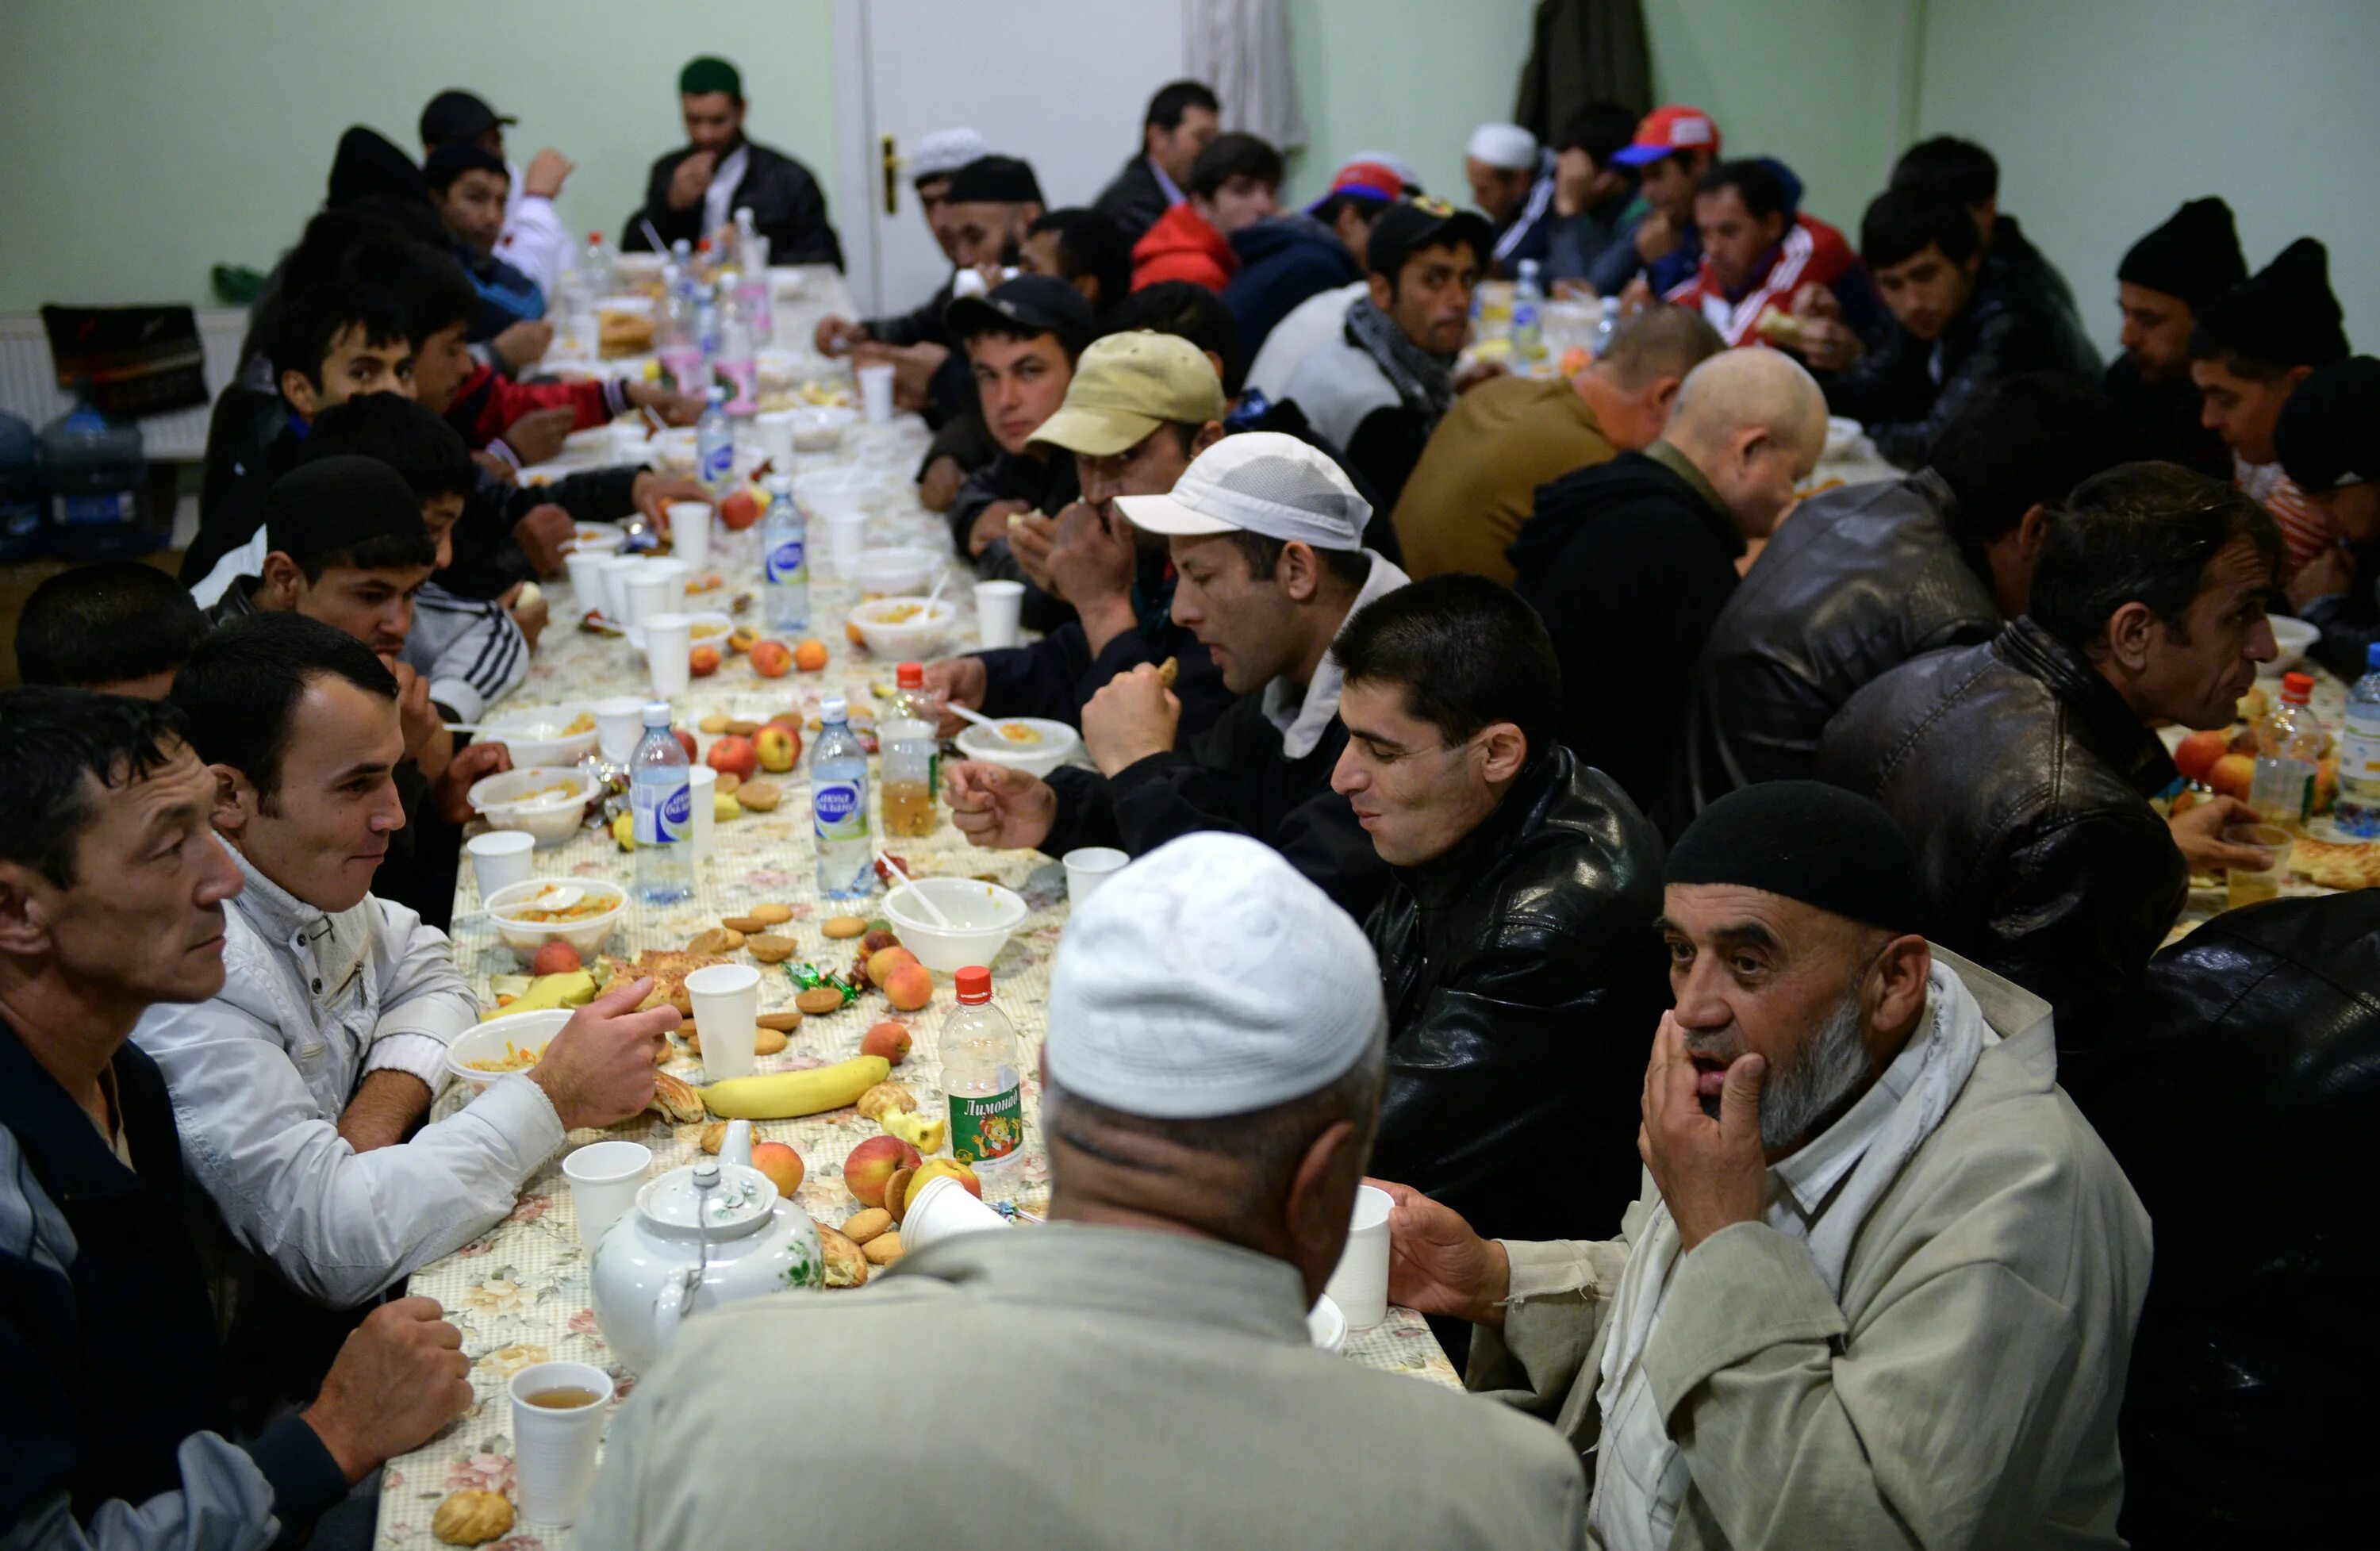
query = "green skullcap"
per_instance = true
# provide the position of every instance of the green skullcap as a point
(707, 74)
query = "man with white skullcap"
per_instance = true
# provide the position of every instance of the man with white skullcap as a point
(1266, 538)
(931, 162)
(1513, 180)
(1138, 1372)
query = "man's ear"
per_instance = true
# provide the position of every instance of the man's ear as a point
(234, 800)
(1902, 971)
(299, 390)
(1382, 294)
(2131, 635)
(1321, 1200)
(1662, 393)
(1210, 434)
(1507, 748)
(2297, 374)
(1299, 571)
(1750, 443)
(2031, 529)
(24, 912)
(283, 581)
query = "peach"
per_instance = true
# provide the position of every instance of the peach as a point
(884, 961)
(2232, 775)
(740, 510)
(702, 661)
(771, 659)
(851, 633)
(733, 755)
(896, 1192)
(874, 1162)
(810, 656)
(778, 748)
(909, 987)
(2197, 753)
(743, 638)
(782, 1164)
(888, 1039)
(934, 1169)
(559, 958)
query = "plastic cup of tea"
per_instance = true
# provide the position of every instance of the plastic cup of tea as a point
(726, 1000)
(1087, 868)
(501, 858)
(846, 536)
(613, 577)
(690, 532)
(702, 790)
(876, 392)
(999, 607)
(2255, 885)
(669, 641)
(1360, 1285)
(604, 1178)
(585, 568)
(558, 1414)
(773, 433)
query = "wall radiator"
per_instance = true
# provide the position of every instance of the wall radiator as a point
(29, 386)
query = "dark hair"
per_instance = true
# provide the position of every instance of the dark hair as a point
(1902, 222)
(1233, 155)
(1175, 99)
(1089, 242)
(305, 330)
(240, 689)
(2025, 441)
(2204, 346)
(427, 283)
(2141, 532)
(1602, 129)
(1262, 556)
(381, 551)
(1963, 167)
(450, 162)
(1660, 342)
(1186, 310)
(410, 438)
(50, 738)
(1755, 182)
(105, 624)
(1467, 653)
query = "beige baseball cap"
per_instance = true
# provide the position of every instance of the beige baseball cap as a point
(1128, 385)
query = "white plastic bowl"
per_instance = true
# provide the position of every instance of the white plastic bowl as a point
(636, 302)
(526, 938)
(2295, 637)
(1056, 741)
(503, 802)
(982, 916)
(595, 538)
(820, 491)
(535, 735)
(1326, 1324)
(907, 639)
(820, 427)
(527, 1031)
(904, 570)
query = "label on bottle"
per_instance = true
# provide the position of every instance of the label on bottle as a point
(94, 510)
(2358, 754)
(663, 814)
(840, 808)
(718, 463)
(783, 561)
(986, 1128)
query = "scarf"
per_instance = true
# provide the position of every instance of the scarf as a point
(1420, 379)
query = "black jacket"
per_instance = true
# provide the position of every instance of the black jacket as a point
(2023, 780)
(1523, 983)
(1134, 200)
(921, 324)
(1047, 485)
(252, 440)
(1056, 676)
(2165, 418)
(787, 208)
(2241, 1091)
(1282, 263)
(2350, 620)
(1862, 580)
(1628, 562)
(2015, 320)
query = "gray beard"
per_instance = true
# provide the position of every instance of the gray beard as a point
(1799, 1096)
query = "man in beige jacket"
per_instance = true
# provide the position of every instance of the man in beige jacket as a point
(1138, 1372)
(1880, 1288)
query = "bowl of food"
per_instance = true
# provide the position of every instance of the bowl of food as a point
(981, 916)
(486, 1051)
(546, 800)
(556, 735)
(904, 628)
(2295, 637)
(1022, 742)
(825, 490)
(578, 910)
(820, 427)
(895, 572)
(672, 451)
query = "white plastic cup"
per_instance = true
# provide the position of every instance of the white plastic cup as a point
(614, 575)
(773, 433)
(604, 1178)
(553, 1450)
(726, 1000)
(585, 568)
(1360, 1285)
(940, 1213)
(690, 532)
(702, 786)
(631, 441)
(501, 858)
(846, 536)
(876, 392)
(1089, 867)
(669, 643)
(997, 608)
(619, 722)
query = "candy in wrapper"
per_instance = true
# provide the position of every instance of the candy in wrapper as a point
(810, 977)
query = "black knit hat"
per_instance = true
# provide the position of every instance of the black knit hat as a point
(2284, 313)
(334, 504)
(2196, 255)
(1803, 839)
(1001, 180)
(2328, 434)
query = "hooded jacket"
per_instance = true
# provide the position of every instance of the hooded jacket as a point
(1283, 261)
(1184, 245)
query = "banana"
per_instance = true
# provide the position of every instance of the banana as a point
(782, 1096)
(574, 988)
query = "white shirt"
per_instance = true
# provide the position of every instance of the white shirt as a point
(719, 199)
(533, 241)
(1303, 718)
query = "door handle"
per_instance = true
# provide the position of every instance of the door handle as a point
(891, 175)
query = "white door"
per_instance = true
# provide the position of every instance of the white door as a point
(1061, 83)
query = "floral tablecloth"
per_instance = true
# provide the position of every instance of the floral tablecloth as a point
(519, 1293)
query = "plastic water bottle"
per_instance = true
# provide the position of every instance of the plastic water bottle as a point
(847, 857)
(21, 491)
(905, 733)
(2358, 808)
(98, 482)
(784, 559)
(1528, 313)
(982, 1078)
(2288, 750)
(736, 363)
(714, 444)
(663, 804)
(675, 342)
(595, 270)
(751, 294)
(706, 325)
(1606, 325)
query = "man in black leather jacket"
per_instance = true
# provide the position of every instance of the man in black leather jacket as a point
(682, 203)
(1864, 579)
(2022, 769)
(1523, 974)
(2240, 1092)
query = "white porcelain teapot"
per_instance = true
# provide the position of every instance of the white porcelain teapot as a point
(699, 1237)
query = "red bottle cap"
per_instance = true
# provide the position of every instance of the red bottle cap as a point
(910, 676)
(975, 986)
(594, 237)
(2298, 687)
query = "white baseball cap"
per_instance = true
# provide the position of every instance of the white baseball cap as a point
(1210, 978)
(1259, 481)
(945, 152)
(1507, 146)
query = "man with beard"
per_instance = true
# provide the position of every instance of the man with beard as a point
(2163, 280)
(694, 193)
(1881, 1284)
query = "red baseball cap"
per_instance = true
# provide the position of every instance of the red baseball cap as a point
(1376, 181)
(1668, 129)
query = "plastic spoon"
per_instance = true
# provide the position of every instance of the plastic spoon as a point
(562, 896)
(889, 865)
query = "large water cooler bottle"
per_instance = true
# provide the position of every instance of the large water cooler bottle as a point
(22, 496)
(98, 483)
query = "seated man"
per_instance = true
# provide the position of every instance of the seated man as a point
(1673, 147)
(1973, 174)
(1516, 940)
(1182, 117)
(932, 161)
(1595, 199)
(2166, 277)
(118, 627)
(2022, 769)
(1232, 184)
(1021, 340)
(1759, 250)
(1266, 535)
(119, 1427)
(1478, 478)
(1200, 1188)
(691, 194)
(1290, 258)
(1140, 406)
(1084, 249)
(1512, 182)
(2241, 1070)
(2254, 344)
(468, 184)
(1629, 561)
(1866, 577)
(1379, 390)
(1882, 1281)
(532, 238)
(297, 1085)
(1360, 193)
(1958, 325)
(2328, 442)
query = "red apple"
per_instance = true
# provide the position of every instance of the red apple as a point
(733, 755)
(888, 1039)
(555, 957)
(872, 1163)
(2197, 753)
(740, 510)
(686, 740)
